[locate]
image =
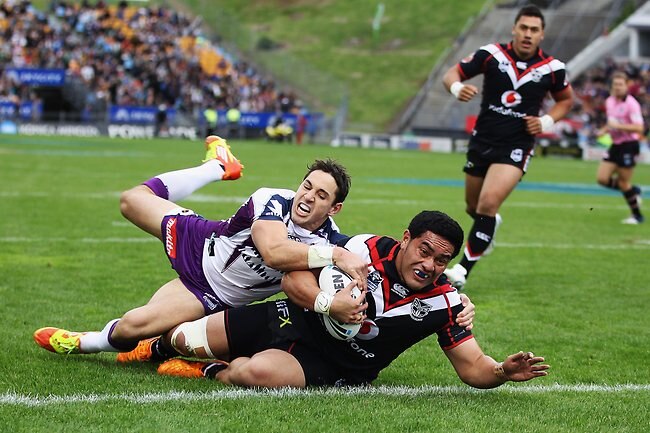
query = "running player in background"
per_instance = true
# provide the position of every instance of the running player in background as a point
(624, 125)
(516, 78)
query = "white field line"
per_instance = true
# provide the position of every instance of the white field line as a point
(640, 244)
(15, 399)
(205, 198)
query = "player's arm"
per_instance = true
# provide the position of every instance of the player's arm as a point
(302, 288)
(453, 83)
(563, 103)
(279, 252)
(481, 371)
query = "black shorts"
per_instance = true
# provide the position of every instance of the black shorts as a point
(480, 156)
(623, 154)
(275, 325)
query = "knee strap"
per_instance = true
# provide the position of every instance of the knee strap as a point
(196, 336)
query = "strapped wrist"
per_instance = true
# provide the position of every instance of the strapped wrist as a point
(547, 122)
(455, 88)
(319, 256)
(323, 303)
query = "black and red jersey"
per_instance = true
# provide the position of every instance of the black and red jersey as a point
(398, 317)
(512, 88)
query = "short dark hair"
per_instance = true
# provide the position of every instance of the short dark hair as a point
(438, 223)
(338, 172)
(530, 11)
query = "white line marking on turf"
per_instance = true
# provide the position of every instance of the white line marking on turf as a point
(639, 244)
(205, 198)
(16, 399)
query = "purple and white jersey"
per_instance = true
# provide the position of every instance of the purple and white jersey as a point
(234, 267)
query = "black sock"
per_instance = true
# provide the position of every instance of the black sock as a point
(613, 183)
(478, 240)
(210, 370)
(161, 351)
(631, 197)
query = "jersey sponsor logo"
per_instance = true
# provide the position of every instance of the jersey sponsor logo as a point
(170, 238)
(517, 155)
(360, 350)
(374, 280)
(211, 301)
(482, 236)
(368, 330)
(399, 290)
(419, 310)
(506, 111)
(283, 313)
(510, 98)
(535, 75)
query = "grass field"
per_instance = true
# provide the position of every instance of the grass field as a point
(566, 281)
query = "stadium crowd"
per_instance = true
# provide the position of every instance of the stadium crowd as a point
(125, 55)
(592, 89)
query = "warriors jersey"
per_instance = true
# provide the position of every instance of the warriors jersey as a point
(397, 317)
(234, 267)
(512, 88)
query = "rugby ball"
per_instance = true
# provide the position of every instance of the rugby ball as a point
(331, 280)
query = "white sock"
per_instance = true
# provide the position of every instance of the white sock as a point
(93, 342)
(181, 183)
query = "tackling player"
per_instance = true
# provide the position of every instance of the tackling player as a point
(220, 264)
(223, 264)
(285, 343)
(516, 78)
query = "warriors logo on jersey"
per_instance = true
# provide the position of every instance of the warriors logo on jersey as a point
(374, 280)
(419, 309)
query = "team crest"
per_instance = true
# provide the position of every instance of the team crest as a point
(504, 66)
(535, 75)
(510, 98)
(374, 280)
(419, 310)
(517, 155)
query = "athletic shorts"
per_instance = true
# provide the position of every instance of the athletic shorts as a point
(480, 156)
(184, 236)
(623, 154)
(275, 325)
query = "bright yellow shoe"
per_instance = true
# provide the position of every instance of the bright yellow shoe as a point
(182, 368)
(58, 340)
(217, 148)
(141, 353)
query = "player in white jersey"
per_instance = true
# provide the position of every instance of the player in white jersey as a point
(220, 264)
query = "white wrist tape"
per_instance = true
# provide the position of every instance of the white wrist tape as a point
(323, 303)
(318, 257)
(547, 122)
(455, 88)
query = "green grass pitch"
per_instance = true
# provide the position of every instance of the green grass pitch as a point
(566, 281)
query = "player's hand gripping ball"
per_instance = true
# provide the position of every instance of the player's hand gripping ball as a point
(331, 280)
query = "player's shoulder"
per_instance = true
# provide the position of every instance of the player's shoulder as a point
(270, 192)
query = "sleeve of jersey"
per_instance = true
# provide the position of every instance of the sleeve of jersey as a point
(473, 65)
(560, 81)
(452, 335)
(270, 205)
(357, 245)
(636, 115)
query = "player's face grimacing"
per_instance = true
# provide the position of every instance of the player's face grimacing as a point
(421, 260)
(527, 34)
(314, 200)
